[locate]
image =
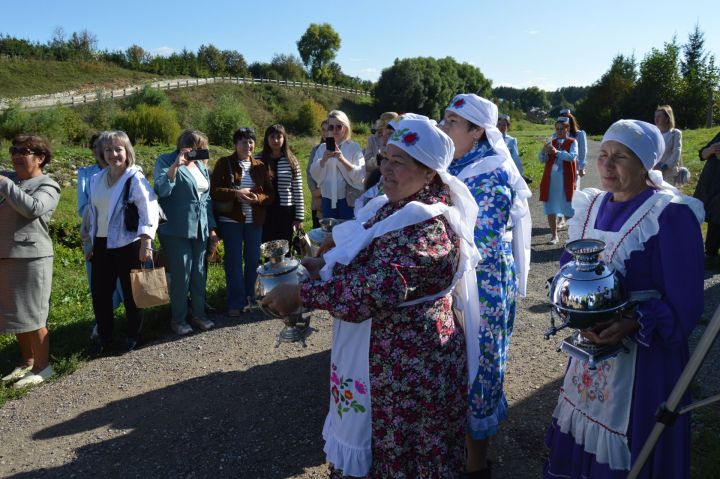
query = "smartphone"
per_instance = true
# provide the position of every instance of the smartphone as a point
(330, 143)
(200, 154)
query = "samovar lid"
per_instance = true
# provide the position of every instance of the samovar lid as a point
(287, 265)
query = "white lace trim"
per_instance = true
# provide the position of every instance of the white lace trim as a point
(609, 447)
(647, 221)
(351, 460)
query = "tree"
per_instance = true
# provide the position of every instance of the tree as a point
(699, 80)
(288, 67)
(606, 97)
(234, 62)
(426, 85)
(659, 82)
(136, 56)
(211, 59)
(318, 47)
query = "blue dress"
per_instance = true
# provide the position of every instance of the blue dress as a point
(557, 204)
(497, 290)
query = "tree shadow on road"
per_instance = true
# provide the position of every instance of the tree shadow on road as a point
(219, 425)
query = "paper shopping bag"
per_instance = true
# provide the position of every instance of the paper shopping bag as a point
(149, 287)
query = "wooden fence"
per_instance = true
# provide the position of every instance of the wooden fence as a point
(44, 101)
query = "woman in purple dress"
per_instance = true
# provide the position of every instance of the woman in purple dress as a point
(393, 270)
(604, 416)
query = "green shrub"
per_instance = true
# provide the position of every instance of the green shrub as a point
(361, 128)
(150, 124)
(220, 123)
(13, 121)
(146, 96)
(101, 114)
(309, 117)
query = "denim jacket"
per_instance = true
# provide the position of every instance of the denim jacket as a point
(141, 193)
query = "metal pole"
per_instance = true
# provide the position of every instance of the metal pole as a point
(668, 411)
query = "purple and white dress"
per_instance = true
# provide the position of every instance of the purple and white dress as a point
(603, 417)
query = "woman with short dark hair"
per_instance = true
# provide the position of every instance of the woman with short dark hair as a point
(28, 199)
(241, 189)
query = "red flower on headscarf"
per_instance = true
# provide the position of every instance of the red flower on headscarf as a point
(459, 103)
(410, 139)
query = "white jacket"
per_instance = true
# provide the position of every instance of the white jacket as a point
(333, 178)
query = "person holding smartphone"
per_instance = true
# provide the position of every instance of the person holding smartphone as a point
(339, 169)
(241, 189)
(182, 183)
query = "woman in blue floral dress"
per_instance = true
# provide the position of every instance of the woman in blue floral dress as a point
(396, 267)
(484, 164)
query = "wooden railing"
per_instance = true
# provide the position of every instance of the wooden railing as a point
(44, 101)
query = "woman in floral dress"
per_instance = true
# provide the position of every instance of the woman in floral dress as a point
(483, 162)
(396, 265)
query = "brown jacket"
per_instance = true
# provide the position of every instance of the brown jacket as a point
(221, 187)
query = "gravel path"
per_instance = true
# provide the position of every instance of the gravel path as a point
(226, 403)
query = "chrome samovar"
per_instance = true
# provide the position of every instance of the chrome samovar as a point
(279, 269)
(584, 293)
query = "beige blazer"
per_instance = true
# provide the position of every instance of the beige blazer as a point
(25, 210)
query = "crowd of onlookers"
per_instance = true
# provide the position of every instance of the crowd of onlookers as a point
(438, 206)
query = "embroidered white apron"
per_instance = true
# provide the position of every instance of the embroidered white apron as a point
(594, 405)
(348, 426)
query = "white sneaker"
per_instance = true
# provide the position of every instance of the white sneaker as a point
(180, 329)
(553, 240)
(31, 379)
(17, 373)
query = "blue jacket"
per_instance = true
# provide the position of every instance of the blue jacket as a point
(83, 186)
(189, 215)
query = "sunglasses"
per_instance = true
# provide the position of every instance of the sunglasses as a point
(21, 150)
(334, 127)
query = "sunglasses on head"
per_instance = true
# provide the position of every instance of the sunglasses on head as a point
(21, 150)
(247, 130)
(334, 127)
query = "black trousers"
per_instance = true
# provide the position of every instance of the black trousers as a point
(107, 266)
(278, 223)
(712, 239)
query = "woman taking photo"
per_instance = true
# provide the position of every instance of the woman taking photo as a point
(241, 189)
(604, 416)
(28, 199)
(115, 249)
(671, 160)
(288, 207)
(339, 169)
(502, 235)
(558, 180)
(388, 282)
(183, 188)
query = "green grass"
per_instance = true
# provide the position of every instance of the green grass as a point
(20, 78)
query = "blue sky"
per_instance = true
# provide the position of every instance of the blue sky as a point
(514, 43)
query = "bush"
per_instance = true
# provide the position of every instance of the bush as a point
(220, 123)
(13, 121)
(150, 124)
(101, 114)
(309, 117)
(147, 96)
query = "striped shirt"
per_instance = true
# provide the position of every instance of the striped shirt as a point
(245, 182)
(289, 186)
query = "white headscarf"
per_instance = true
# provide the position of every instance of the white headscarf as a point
(645, 140)
(484, 113)
(420, 138)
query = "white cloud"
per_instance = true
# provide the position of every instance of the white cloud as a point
(162, 51)
(533, 32)
(370, 73)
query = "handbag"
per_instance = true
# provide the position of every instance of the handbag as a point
(683, 176)
(300, 245)
(149, 287)
(132, 217)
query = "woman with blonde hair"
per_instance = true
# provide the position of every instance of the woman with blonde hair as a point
(671, 161)
(339, 168)
(116, 250)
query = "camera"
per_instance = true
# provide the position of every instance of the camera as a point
(201, 154)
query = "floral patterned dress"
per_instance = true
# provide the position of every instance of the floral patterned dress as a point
(417, 353)
(497, 289)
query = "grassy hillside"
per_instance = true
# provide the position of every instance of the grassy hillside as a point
(20, 78)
